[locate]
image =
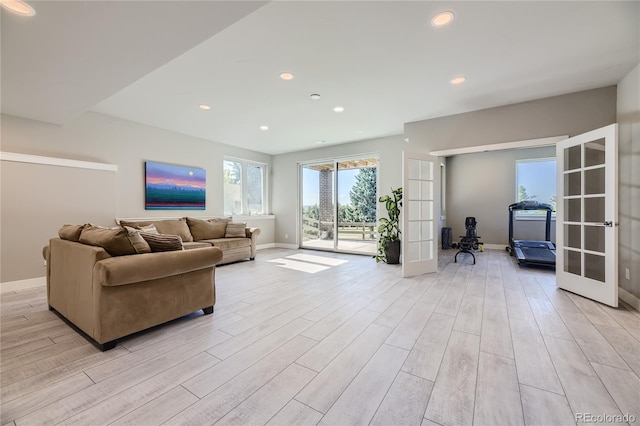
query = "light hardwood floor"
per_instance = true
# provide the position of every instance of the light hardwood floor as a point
(304, 338)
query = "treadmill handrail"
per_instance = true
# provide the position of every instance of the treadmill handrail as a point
(530, 205)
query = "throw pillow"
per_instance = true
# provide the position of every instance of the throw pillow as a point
(235, 230)
(139, 243)
(150, 229)
(174, 227)
(163, 242)
(207, 229)
(114, 240)
(70, 232)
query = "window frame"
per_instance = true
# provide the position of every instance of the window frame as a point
(244, 163)
(532, 215)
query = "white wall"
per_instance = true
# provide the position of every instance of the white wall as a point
(628, 116)
(103, 139)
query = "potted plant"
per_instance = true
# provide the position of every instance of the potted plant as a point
(389, 229)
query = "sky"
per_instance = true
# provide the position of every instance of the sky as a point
(310, 195)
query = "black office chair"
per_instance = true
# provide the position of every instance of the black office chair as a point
(469, 241)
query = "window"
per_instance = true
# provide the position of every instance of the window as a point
(244, 187)
(536, 180)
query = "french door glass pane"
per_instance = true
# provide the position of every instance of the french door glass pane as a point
(572, 262)
(594, 209)
(594, 267)
(572, 236)
(572, 184)
(594, 238)
(572, 209)
(572, 158)
(594, 181)
(594, 153)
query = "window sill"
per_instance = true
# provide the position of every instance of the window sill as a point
(253, 217)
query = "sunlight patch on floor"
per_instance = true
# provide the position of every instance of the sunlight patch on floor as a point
(317, 259)
(310, 268)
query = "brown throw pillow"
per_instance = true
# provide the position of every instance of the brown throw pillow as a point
(174, 227)
(114, 240)
(162, 242)
(207, 229)
(235, 230)
(139, 244)
(70, 232)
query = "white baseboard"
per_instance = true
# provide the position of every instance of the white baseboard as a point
(629, 298)
(287, 246)
(494, 246)
(265, 246)
(22, 284)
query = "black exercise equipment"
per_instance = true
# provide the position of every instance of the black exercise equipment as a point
(530, 252)
(470, 241)
(447, 238)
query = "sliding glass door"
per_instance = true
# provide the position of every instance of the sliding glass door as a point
(338, 205)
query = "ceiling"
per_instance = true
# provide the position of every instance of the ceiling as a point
(155, 62)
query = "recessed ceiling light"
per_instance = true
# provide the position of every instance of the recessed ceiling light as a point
(320, 142)
(286, 76)
(315, 96)
(264, 128)
(359, 131)
(204, 107)
(458, 80)
(442, 19)
(338, 109)
(18, 7)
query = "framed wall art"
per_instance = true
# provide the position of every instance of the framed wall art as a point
(174, 187)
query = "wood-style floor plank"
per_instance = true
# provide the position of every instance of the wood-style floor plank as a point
(405, 403)
(295, 414)
(426, 356)
(533, 363)
(453, 396)
(583, 387)
(497, 392)
(359, 402)
(542, 408)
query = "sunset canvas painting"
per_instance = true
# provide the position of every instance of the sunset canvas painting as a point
(174, 187)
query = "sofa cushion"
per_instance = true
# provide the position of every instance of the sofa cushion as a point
(168, 226)
(228, 243)
(235, 230)
(195, 244)
(136, 239)
(70, 232)
(162, 242)
(207, 229)
(114, 240)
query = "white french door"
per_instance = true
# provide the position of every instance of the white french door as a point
(587, 215)
(420, 177)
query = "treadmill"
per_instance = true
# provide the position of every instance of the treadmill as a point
(530, 252)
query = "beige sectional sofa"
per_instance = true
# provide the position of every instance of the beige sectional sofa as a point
(112, 282)
(108, 297)
(198, 233)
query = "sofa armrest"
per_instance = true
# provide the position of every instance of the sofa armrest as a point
(253, 234)
(134, 268)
